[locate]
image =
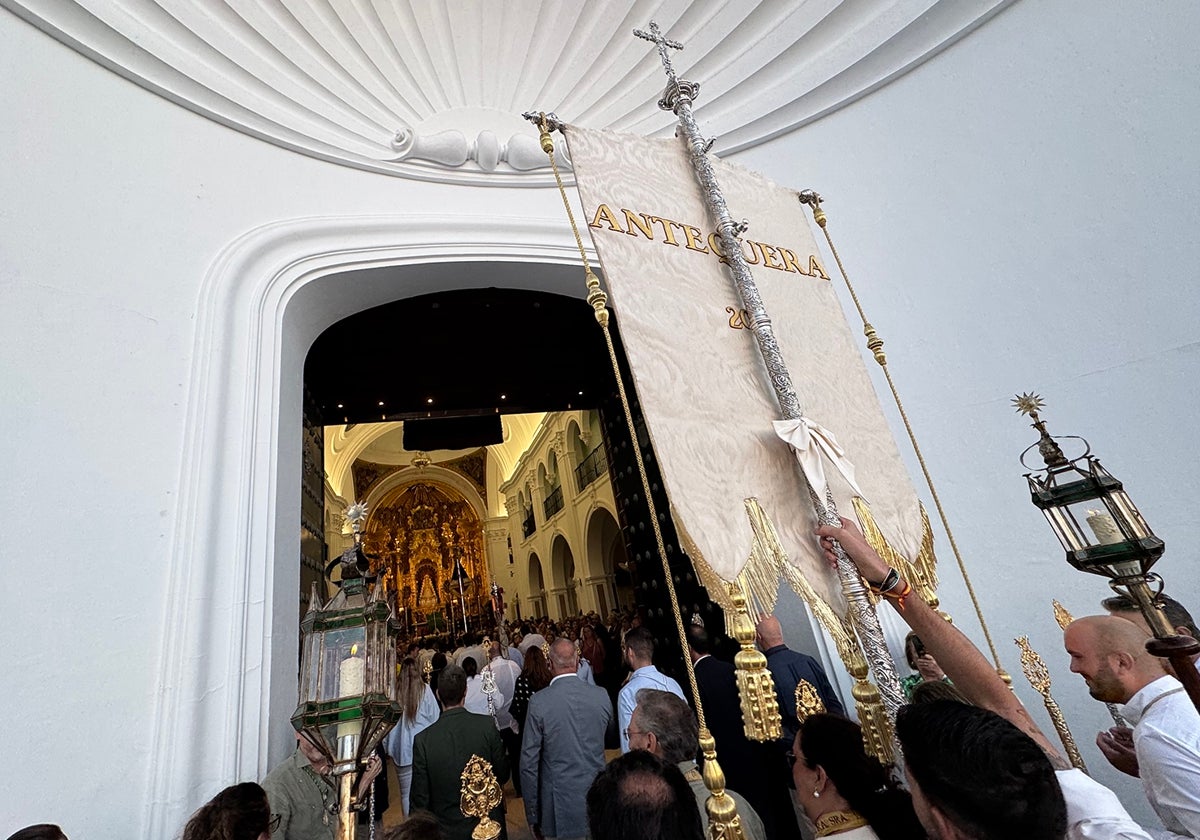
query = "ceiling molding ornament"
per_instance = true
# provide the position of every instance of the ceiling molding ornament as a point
(434, 91)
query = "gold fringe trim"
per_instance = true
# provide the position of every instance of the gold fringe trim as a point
(756, 686)
(872, 715)
(922, 573)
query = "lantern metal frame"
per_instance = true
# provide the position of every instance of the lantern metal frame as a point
(1122, 548)
(345, 713)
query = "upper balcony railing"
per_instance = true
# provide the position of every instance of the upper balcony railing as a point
(591, 468)
(554, 502)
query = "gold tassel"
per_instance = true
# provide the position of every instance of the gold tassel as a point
(1039, 677)
(872, 716)
(756, 686)
(723, 820)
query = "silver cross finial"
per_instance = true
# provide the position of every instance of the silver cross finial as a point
(655, 35)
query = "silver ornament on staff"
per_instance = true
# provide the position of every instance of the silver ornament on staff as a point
(678, 99)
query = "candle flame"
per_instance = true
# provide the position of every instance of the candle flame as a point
(353, 650)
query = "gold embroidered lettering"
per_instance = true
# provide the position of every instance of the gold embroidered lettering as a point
(694, 238)
(640, 221)
(668, 234)
(602, 212)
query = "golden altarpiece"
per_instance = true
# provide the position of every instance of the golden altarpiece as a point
(417, 534)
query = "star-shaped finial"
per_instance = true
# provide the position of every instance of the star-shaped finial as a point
(1029, 404)
(357, 512)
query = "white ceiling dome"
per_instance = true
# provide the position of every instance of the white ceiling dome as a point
(434, 89)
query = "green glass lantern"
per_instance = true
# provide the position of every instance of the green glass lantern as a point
(1093, 517)
(348, 697)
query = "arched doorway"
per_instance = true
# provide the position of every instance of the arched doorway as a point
(608, 568)
(562, 565)
(537, 587)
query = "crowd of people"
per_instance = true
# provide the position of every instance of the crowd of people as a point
(547, 706)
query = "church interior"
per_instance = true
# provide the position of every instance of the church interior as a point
(261, 261)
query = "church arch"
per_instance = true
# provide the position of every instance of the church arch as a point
(264, 300)
(563, 573)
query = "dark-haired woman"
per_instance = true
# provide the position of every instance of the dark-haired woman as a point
(844, 792)
(240, 812)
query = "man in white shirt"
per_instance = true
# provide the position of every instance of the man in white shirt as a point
(505, 673)
(1110, 654)
(1117, 743)
(639, 655)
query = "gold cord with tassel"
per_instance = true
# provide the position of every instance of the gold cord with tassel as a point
(875, 345)
(878, 736)
(723, 820)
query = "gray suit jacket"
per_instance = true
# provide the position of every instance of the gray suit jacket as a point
(562, 750)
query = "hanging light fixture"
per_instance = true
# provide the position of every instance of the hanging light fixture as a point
(1103, 533)
(348, 671)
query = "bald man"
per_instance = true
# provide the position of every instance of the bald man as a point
(1110, 654)
(788, 667)
(567, 727)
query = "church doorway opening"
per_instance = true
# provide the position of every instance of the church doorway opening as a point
(483, 427)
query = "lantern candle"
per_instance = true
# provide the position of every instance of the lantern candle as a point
(350, 684)
(1105, 529)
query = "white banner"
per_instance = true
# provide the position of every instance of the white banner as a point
(708, 403)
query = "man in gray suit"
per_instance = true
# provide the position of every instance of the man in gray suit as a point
(566, 729)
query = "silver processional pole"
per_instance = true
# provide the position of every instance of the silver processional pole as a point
(678, 98)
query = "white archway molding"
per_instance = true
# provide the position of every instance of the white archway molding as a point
(224, 697)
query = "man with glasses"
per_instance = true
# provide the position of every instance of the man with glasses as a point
(664, 725)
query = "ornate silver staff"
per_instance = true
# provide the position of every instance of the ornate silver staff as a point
(678, 98)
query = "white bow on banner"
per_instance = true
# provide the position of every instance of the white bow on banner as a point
(810, 441)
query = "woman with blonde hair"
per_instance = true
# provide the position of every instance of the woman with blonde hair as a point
(419, 709)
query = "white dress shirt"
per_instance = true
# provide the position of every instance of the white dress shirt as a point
(1093, 811)
(506, 672)
(645, 677)
(1166, 738)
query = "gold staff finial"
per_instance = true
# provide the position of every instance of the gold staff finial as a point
(1039, 677)
(1061, 614)
(480, 795)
